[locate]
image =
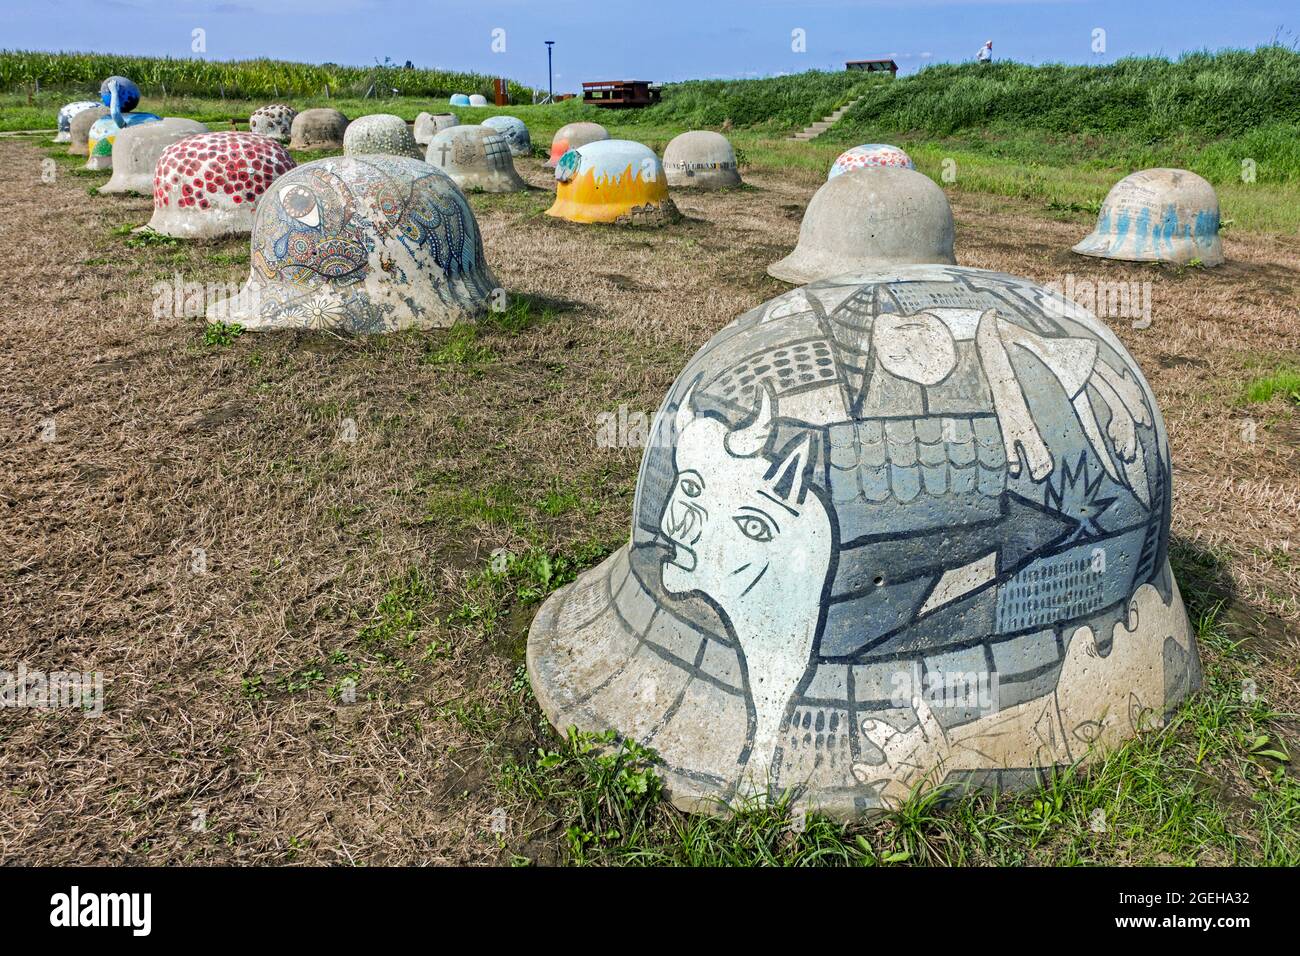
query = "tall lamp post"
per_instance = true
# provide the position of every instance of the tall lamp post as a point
(550, 77)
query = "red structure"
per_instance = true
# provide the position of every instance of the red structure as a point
(621, 94)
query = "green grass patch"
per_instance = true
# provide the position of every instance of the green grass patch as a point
(221, 334)
(1285, 382)
(146, 239)
(403, 612)
(460, 348)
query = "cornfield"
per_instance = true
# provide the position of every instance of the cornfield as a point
(22, 71)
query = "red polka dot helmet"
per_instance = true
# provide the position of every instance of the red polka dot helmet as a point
(208, 185)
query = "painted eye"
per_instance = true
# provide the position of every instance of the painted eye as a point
(690, 487)
(752, 526)
(300, 203)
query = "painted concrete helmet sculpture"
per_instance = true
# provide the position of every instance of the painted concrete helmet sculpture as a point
(870, 218)
(870, 154)
(1158, 215)
(612, 181)
(66, 113)
(571, 136)
(137, 150)
(121, 96)
(458, 99)
(892, 531)
(321, 128)
(380, 133)
(274, 120)
(103, 135)
(209, 184)
(429, 125)
(475, 157)
(514, 131)
(79, 130)
(363, 244)
(701, 159)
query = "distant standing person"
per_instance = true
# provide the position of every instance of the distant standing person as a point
(985, 55)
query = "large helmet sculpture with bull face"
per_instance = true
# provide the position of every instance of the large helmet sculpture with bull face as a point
(892, 530)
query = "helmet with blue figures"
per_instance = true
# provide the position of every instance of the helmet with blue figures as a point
(363, 244)
(119, 94)
(1158, 215)
(892, 530)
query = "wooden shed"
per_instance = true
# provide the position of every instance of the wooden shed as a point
(620, 94)
(873, 66)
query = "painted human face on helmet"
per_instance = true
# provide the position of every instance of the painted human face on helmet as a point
(734, 514)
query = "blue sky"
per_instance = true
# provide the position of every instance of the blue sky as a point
(670, 40)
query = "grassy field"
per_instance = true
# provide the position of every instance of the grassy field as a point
(1061, 136)
(370, 564)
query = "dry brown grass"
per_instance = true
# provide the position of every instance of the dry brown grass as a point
(164, 445)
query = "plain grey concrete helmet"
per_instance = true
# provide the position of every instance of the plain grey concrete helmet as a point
(871, 218)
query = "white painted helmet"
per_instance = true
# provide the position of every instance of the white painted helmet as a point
(702, 159)
(67, 112)
(274, 120)
(892, 530)
(475, 157)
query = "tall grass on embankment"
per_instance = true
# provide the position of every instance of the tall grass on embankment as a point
(1204, 111)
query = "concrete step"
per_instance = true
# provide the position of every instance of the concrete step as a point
(825, 123)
